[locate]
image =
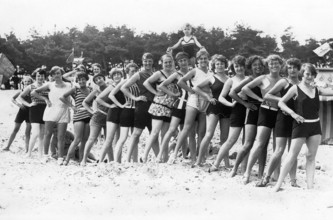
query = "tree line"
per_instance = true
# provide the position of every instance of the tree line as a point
(115, 44)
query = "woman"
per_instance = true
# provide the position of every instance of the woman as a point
(160, 109)
(255, 65)
(178, 111)
(267, 111)
(238, 112)
(283, 126)
(126, 118)
(37, 108)
(81, 116)
(142, 118)
(216, 112)
(306, 125)
(98, 119)
(114, 112)
(196, 105)
(56, 112)
(21, 116)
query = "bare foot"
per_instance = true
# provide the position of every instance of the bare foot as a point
(5, 149)
(245, 180)
(171, 160)
(213, 168)
(232, 173)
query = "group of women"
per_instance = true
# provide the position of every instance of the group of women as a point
(256, 99)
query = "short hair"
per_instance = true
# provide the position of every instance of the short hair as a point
(147, 56)
(238, 59)
(201, 53)
(82, 75)
(114, 71)
(274, 57)
(310, 67)
(295, 62)
(128, 66)
(186, 25)
(252, 59)
(98, 75)
(98, 65)
(28, 78)
(56, 69)
(221, 58)
(182, 55)
(39, 71)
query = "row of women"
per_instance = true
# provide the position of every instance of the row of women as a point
(196, 101)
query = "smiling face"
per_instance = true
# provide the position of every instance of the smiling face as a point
(308, 77)
(292, 71)
(116, 77)
(82, 82)
(219, 66)
(147, 64)
(96, 70)
(167, 63)
(57, 75)
(40, 78)
(183, 63)
(27, 81)
(203, 61)
(257, 67)
(131, 71)
(274, 66)
(99, 80)
(239, 69)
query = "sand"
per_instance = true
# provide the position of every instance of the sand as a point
(30, 189)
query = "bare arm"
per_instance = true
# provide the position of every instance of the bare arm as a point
(114, 92)
(64, 98)
(103, 94)
(292, 92)
(24, 93)
(197, 43)
(127, 84)
(175, 46)
(234, 94)
(86, 102)
(206, 82)
(69, 75)
(182, 81)
(16, 102)
(247, 89)
(163, 85)
(40, 89)
(271, 95)
(226, 89)
(153, 78)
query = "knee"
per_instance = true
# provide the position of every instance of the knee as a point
(310, 156)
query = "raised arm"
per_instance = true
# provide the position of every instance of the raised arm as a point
(163, 86)
(197, 42)
(175, 46)
(234, 94)
(182, 81)
(88, 100)
(247, 89)
(226, 89)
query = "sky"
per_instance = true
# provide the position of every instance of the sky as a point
(308, 18)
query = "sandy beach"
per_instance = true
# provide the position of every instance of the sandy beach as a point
(30, 189)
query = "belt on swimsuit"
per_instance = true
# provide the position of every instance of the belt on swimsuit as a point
(311, 120)
(269, 107)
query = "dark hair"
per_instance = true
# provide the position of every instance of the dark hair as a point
(238, 59)
(294, 62)
(128, 66)
(309, 66)
(114, 71)
(251, 60)
(221, 58)
(181, 55)
(82, 75)
(98, 75)
(39, 71)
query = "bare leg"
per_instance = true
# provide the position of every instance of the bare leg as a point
(94, 132)
(250, 134)
(12, 136)
(120, 143)
(78, 134)
(27, 136)
(224, 133)
(156, 128)
(111, 129)
(295, 148)
(133, 142)
(62, 128)
(312, 143)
